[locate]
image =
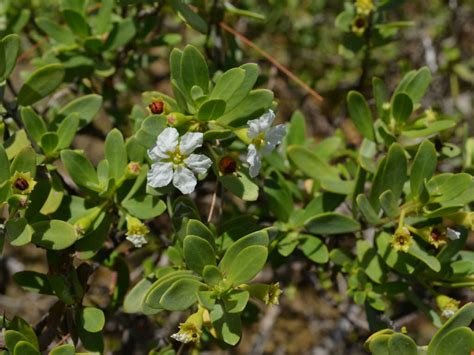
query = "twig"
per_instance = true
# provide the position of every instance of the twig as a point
(213, 202)
(272, 60)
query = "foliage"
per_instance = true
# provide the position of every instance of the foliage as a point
(391, 216)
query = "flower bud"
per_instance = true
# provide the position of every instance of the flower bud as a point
(136, 231)
(133, 170)
(269, 294)
(364, 7)
(227, 165)
(84, 222)
(191, 329)
(156, 107)
(447, 305)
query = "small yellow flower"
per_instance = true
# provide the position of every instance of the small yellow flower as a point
(402, 239)
(273, 294)
(447, 305)
(190, 331)
(364, 7)
(136, 231)
(22, 183)
(359, 25)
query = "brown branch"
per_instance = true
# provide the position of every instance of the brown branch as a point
(272, 60)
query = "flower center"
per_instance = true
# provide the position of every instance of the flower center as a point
(21, 184)
(260, 140)
(176, 157)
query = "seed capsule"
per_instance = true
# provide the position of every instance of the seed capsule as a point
(227, 165)
(156, 107)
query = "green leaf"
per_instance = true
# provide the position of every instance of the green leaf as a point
(366, 209)
(60, 34)
(287, 245)
(198, 253)
(76, 22)
(122, 33)
(235, 300)
(33, 123)
(314, 249)
(12, 338)
(33, 281)
(228, 326)
(389, 204)
(424, 166)
(116, 154)
(54, 234)
(19, 232)
(181, 295)
(419, 253)
(462, 318)
(91, 319)
(370, 262)
(211, 110)
(446, 187)
(380, 95)
(25, 348)
(144, 206)
(415, 83)
(379, 345)
(4, 165)
(360, 114)
(240, 185)
(402, 344)
(49, 142)
(251, 76)
(160, 286)
(135, 298)
(197, 228)
(457, 341)
(189, 16)
(391, 175)
(332, 223)
(9, 50)
(212, 275)
(85, 106)
(402, 107)
(227, 84)
(434, 127)
(310, 164)
(67, 130)
(41, 83)
(79, 168)
(279, 197)
(93, 342)
(66, 349)
(194, 69)
(246, 264)
(255, 104)
(20, 325)
(296, 129)
(24, 162)
(151, 127)
(256, 238)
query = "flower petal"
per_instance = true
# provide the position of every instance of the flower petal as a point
(184, 180)
(254, 161)
(261, 124)
(198, 163)
(166, 142)
(190, 141)
(273, 137)
(160, 174)
(137, 240)
(452, 234)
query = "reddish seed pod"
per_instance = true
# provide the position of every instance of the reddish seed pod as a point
(227, 165)
(156, 107)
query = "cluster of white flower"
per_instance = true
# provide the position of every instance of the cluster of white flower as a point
(174, 160)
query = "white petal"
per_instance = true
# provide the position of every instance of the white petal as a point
(190, 141)
(184, 180)
(452, 234)
(254, 160)
(137, 240)
(160, 174)
(261, 124)
(273, 137)
(198, 163)
(166, 143)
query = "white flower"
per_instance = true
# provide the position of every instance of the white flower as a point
(173, 160)
(264, 139)
(452, 234)
(138, 240)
